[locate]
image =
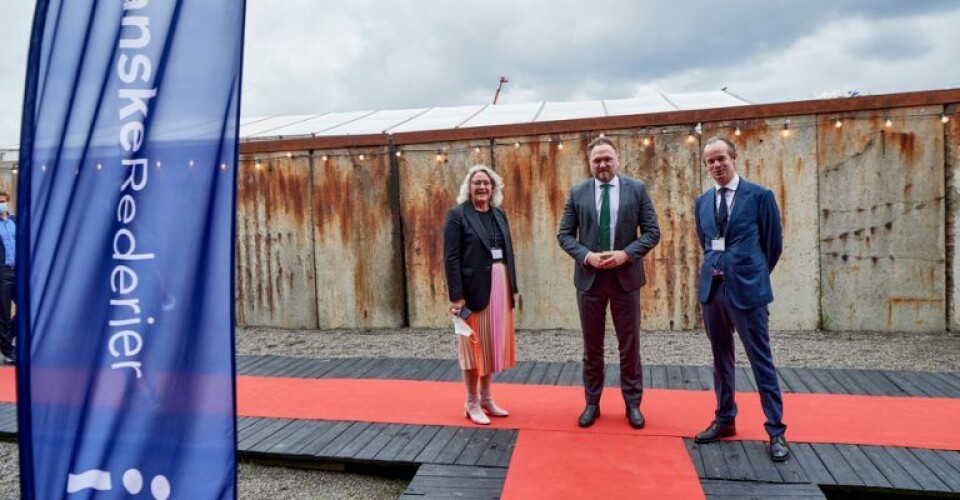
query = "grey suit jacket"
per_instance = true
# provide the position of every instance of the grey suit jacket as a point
(636, 232)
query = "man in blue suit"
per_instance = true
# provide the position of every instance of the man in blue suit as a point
(738, 224)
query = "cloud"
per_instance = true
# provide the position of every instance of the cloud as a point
(316, 56)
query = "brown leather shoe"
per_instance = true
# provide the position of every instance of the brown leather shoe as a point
(715, 432)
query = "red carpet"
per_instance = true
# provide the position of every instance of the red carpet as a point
(817, 418)
(559, 465)
(554, 458)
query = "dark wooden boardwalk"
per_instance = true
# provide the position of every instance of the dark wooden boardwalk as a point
(471, 462)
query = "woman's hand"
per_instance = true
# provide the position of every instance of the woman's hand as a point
(456, 306)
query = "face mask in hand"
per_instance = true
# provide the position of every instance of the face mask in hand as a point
(4, 207)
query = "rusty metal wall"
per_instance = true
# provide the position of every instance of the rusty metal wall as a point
(666, 161)
(882, 218)
(869, 235)
(784, 161)
(275, 271)
(359, 281)
(428, 187)
(952, 167)
(537, 175)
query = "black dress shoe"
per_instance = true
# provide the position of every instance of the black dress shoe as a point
(779, 449)
(635, 417)
(715, 432)
(590, 415)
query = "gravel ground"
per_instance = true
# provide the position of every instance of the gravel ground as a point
(864, 350)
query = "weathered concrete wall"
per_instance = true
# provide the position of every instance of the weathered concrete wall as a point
(276, 282)
(428, 189)
(882, 222)
(357, 254)
(785, 163)
(952, 167)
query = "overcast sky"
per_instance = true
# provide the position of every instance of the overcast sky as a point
(315, 56)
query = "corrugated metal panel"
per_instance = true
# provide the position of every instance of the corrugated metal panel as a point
(358, 259)
(788, 167)
(275, 273)
(881, 222)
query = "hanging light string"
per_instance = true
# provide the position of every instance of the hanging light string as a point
(648, 136)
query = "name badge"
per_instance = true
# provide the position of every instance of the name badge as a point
(497, 253)
(718, 244)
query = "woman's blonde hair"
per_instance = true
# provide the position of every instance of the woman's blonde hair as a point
(497, 197)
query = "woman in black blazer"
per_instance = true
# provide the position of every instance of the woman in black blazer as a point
(481, 280)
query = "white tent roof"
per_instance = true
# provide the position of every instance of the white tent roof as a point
(457, 117)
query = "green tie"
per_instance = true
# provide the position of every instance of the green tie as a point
(605, 218)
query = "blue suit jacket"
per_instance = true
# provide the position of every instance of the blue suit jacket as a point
(754, 242)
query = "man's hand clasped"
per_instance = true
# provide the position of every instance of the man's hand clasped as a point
(607, 260)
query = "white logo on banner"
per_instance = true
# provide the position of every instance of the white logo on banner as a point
(100, 480)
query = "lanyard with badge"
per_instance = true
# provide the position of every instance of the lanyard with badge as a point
(719, 243)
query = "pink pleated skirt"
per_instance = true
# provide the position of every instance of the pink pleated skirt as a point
(491, 349)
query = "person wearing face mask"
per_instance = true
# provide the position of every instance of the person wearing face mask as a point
(8, 254)
(608, 225)
(738, 225)
(481, 280)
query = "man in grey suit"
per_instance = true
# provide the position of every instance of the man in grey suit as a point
(608, 225)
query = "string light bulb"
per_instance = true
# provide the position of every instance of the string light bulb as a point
(192, 163)
(691, 138)
(99, 166)
(324, 157)
(398, 154)
(258, 165)
(560, 145)
(289, 155)
(516, 145)
(476, 150)
(646, 141)
(944, 118)
(888, 123)
(602, 135)
(223, 166)
(837, 123)
(736, 132)
(786, 129)
(362, 157)
(439, 157)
